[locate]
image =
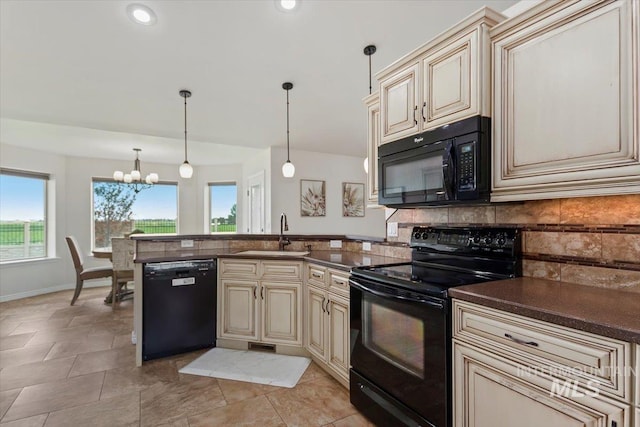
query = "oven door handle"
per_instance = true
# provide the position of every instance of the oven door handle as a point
(422, 299)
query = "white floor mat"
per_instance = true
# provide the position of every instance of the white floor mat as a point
(249, 366)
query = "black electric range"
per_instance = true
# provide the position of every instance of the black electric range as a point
(401, 321)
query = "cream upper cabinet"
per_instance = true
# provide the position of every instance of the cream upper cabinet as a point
(260, 300)
(512, 370)
(451, 77)
(373, 142)
(445, 80)
(565, 101)
(399, 103)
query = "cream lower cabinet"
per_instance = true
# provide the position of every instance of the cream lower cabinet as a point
(510, 370)
(260, 301)
(493, 393)
(566, 101)
(327, 321)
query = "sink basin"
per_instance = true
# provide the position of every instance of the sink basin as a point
(272, 253)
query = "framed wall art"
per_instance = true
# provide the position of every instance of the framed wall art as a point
(352, 199)
(312, 198)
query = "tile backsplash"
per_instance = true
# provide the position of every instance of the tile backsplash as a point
(591, 240)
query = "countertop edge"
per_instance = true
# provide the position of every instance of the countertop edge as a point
(583, 323)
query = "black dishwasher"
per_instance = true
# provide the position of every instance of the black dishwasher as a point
(178, 307)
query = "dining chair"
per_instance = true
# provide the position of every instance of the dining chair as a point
(82, 273)
(123, 249)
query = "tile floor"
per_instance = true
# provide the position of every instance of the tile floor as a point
(75, 366)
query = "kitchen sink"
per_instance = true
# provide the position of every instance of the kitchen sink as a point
(273, 253)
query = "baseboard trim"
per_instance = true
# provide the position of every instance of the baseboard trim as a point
(52, 289)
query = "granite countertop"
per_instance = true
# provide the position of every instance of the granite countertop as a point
(607, 312)
(341, 260)
(347, 260)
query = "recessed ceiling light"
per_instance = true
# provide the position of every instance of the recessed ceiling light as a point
(287, 5)
(141, 14)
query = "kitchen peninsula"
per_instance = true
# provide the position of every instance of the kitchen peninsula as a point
(321, 260)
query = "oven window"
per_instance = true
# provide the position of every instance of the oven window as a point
(394, 336)
(415, 175)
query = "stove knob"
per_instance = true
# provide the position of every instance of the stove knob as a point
(425, 236)
(488, 240)
(417, 235)
(476, 239)
(501, 241)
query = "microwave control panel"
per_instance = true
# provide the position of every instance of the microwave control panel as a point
(466, 162)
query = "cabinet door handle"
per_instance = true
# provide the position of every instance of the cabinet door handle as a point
(328, 301)
(254, 292)
(262, 293)
(316, 275)
(339, 282)
(519, 341)
(322, 305)
(424, 105)
(415, 110)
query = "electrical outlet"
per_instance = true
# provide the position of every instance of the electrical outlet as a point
(335, 244)
(366, 246)
(392, 229)
(186, 243)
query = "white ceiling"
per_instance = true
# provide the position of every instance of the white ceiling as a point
(85, 64)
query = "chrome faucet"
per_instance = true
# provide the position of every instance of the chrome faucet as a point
(283, 241)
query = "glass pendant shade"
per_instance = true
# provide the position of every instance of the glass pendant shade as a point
(186, 171)
(288, 170)
(366, 165)
(127, 178)
(135, 175)
(118, 176)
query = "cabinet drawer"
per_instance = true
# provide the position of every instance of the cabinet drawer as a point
(281, 270)
(316, 274)
(228, 267)
(548, 349)
(339, 282)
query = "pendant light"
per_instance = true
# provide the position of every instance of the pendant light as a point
(288, 170)
(369, 50)
(186, 171)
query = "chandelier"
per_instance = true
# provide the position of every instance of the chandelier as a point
(134, 178)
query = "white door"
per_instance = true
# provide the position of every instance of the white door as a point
(255, 203)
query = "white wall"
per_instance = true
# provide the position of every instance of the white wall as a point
(27, 278)
(334, 169)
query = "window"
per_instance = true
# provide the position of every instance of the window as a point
(23, 215)
(118, 210)
(223, 198)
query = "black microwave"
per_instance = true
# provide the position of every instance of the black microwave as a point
(445, 166)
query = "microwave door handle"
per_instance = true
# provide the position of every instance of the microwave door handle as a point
(448, 170)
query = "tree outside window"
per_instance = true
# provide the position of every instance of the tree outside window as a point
(118, 210)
